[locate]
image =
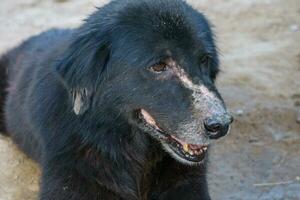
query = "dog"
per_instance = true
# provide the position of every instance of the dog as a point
(122, 107)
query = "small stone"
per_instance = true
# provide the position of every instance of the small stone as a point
(239, 112)
(294, 28)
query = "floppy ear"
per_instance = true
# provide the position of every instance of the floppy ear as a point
(81, 67)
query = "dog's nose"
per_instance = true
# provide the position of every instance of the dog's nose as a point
(217, 126)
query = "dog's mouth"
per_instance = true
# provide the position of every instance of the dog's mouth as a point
(194, 153)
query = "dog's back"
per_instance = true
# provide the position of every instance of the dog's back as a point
(12, 63)
(17, 74)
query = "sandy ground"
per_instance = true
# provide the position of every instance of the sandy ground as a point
(259, 41)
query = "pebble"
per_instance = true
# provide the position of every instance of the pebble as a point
(240, 112)
(294, 28)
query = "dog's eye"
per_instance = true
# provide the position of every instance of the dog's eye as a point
(204, 59)
(158, 68)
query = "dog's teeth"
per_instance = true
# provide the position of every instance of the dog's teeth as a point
(191, 152)
(204, 148)
(186, 147)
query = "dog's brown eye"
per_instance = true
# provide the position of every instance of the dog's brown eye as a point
(204, 59)
(160, 67)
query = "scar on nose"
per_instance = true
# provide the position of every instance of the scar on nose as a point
(187, 82)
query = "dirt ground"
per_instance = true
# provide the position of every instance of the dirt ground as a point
(260, 45)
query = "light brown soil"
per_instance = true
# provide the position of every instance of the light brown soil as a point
(259, 41)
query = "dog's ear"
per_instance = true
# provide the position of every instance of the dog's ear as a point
(81, 67)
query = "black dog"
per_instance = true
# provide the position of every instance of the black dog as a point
(122, 107)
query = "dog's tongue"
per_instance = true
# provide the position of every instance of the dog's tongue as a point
(187, 146)
(195, 147)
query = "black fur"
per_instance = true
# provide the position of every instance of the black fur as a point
(3, 93)
(100, 153)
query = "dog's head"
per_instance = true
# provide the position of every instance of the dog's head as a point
(152, 63)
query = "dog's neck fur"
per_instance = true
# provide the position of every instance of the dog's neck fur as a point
(129, 172)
